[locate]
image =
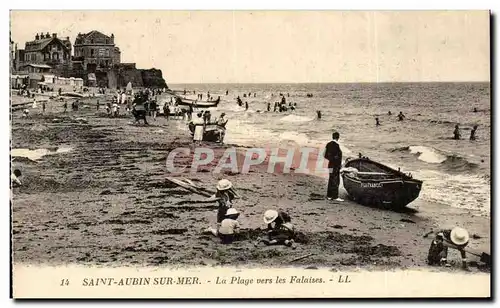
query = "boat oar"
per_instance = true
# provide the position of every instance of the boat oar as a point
(188, 187)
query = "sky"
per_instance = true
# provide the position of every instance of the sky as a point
(285, 46)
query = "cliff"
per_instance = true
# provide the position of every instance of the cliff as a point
(153, 78)
(120, 76)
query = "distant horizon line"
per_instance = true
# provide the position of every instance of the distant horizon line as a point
(331, 82)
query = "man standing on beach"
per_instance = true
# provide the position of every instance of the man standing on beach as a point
(333, 154)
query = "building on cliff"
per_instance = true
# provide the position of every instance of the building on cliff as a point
(96, 51)
(46, 50)
(96, 61)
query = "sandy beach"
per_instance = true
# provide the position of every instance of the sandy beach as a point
(104, 200)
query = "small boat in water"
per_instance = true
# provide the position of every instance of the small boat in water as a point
(371, 183)
(195, 103)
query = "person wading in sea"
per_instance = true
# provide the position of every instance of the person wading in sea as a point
(401, 116)
(456, 133)
(318, 112)
(473, 133)
(377, 123)
(333, 154)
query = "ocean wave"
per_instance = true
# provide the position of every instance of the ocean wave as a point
(428, 155)
(294, 138)
(449, 161)
(295, 118)
(458, 190)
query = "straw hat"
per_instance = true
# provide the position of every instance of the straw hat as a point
(270, 216)
(224, 184)
(232, 211)
(459, 236)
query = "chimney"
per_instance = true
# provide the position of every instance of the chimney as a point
(54, 35)
(37, 37)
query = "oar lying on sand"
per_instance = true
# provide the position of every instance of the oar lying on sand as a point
(191, 187)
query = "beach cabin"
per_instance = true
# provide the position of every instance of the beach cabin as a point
(78, 82)
(17, 81)
(34, 79)
(49, 79)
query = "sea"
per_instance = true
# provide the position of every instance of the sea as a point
(456, 173)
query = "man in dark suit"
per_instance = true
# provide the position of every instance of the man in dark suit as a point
(334, 156)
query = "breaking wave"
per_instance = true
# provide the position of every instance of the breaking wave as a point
(450, 162)
(295, 118)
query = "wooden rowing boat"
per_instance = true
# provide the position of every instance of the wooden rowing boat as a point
(195, 103)
(372, 183)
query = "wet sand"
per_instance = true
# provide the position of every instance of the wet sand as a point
(106, 202)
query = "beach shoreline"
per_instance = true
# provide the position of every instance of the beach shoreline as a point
(105, 201)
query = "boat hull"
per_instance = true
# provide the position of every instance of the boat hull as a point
(208, 104)
(379, 185)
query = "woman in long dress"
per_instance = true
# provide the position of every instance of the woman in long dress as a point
(198, 128)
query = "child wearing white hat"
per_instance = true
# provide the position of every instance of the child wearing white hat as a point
(225, 195)
(456, 238)
(280, 230)
(228, 227)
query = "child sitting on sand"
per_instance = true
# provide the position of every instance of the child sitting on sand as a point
(228, 227)
(456, 238)
(280, 230)
(14, 178)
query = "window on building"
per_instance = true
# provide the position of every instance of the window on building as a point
(107, 53)
(91, 41)
(92, 52)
